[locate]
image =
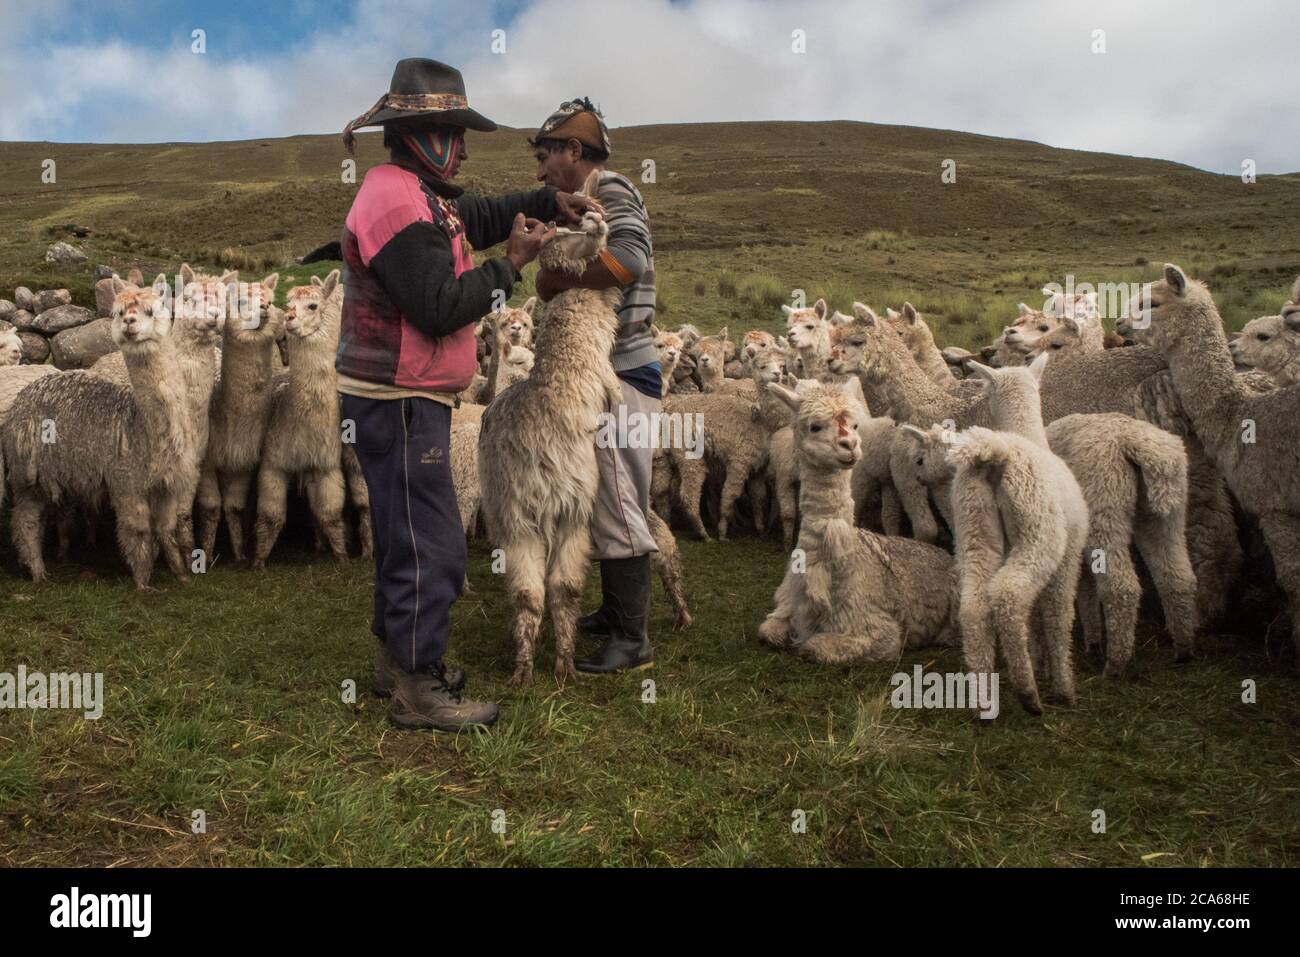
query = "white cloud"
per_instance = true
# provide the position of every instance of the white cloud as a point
(1195, 81)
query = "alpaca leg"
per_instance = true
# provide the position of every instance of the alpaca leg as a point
(1056, 627)
(209, 499)
(28, 530)
(1282, 535)
(65, 521)
(1162, 543)
(668, 562)
(526, 583)
(979, 649)
(787, 502)
(134, 538)
(916, 503)
(881, 640)
(1121, 595)
(756, 489)
(693, 474)
(1094, 633)
(565, 575)
(234, 500)
(775, 629)
(272, 499)
(359, 496)
(731, 489)
(185, 497)
(325, 494)
(1010, 602)
(891, 510)
(162, 521)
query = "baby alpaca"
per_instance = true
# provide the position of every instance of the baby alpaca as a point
(11, 348)
(1271, 344)
(537, 457)
(669, 348)
(860, 597)
(1021, 524)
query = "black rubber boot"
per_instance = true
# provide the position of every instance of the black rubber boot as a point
(600, 622)
(626, 583)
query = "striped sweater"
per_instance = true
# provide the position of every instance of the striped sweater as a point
(629, 255)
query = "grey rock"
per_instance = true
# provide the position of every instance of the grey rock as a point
(65, 254)
(49, 298)
(79, 347)
(7, 308)
(22, 320)
(24, 298)
(102, 272)
(104, 297)
(53, 321)
(5, 326)
(36, 348)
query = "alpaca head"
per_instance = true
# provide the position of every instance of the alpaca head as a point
(689, 336)
(305, 306)
(929, 456)
(826, 423)
(669, 348)
(865, 346)
(518, 361)
(1163, 312)
(1067, 335)
(1012, 394)
(256, 319)
(1269, 343)
(767, 365)
(11, 348)
(912, 327)
(516, 323)
(140, 318)
(711, 357)
(807, 328)
(204, 303)
(1028, 328)
(755, 341)
(572, 249)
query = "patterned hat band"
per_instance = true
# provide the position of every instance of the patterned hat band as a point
(432, 102)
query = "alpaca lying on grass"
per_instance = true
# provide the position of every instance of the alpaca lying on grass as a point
(537, 457)
(1254, 438)
(1134, 480)
(241, 411)
(72, 436)
(303, 437)
(860, 597)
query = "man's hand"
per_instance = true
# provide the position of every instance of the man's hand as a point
(526, 240)
(571, 206)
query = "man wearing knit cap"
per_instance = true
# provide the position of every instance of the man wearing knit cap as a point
(571, 144)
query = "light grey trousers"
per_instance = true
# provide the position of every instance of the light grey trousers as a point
(619, 527)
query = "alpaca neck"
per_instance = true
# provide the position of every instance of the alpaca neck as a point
(312, 379)
(1205, 378)
(772, 410)
(824, 496)
(246, 367)
(573, 342)
(1021, 413)
(914, 396)
(158, 388)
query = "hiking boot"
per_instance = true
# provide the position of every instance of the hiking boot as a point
(423, 699)
(626, 583)
(387, 670)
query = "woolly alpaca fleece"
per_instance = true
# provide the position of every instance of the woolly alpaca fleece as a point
(1253, 438)
(920, 342)
(1271, 344)
(860, 597)
(1021, 524)
(537, 459)
(809, 332)
(137, 442)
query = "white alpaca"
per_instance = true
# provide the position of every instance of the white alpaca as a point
(809, 332)
(537, 455)
(859, 596)
(11, 348)
(920, 342)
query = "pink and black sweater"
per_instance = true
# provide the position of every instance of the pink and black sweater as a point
(411, 291)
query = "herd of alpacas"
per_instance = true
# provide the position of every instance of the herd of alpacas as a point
(927, 497)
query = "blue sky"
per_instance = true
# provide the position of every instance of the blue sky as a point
(1199, 81)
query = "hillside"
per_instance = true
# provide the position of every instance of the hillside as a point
(742, 214)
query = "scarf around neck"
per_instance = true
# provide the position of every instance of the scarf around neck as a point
(436, 148)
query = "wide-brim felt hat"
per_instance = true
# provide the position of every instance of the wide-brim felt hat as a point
(422, 90)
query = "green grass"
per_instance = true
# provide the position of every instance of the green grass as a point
(225, 696)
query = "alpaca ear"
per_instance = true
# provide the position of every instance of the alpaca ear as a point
(820, 308)
(782, 343)
(316, 281)
(909, 313)
(330, 283)
(187, 274)
(891, 314)
(1037, 366)
(119, 286)
(864, 313)
(787, 396)
(228, 277)
(159, 283)
(1291, 317)
(919, 434)
(531, 302)
(787, 310)
(1295, 292)
(724, 335)
(270, 281)
(1175, 279)
(1024, 309)
(981, 370)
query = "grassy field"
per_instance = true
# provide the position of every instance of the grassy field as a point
(226, 696)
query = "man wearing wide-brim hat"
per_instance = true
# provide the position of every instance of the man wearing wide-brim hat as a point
(406, 348)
